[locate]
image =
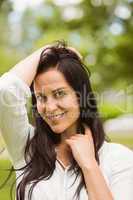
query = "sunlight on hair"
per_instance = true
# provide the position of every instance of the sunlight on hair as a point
(75, 51)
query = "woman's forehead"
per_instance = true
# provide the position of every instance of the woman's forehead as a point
(51, 79)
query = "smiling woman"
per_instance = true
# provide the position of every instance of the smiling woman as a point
(58, 104)
(65, 151)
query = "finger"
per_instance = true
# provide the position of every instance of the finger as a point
(69, 142)
(75, 136)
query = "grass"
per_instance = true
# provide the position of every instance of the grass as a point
(5, 191)
(125, 139)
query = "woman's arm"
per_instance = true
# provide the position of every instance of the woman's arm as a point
(14, 92)
(95, 183)
(83, 151)
(26, 69)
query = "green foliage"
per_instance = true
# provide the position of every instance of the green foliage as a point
(5, 191)
(86, 26)
(126, 140)
(107, 54)
(109, 111)
(8, 57)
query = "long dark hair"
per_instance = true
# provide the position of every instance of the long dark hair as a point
(40, 154)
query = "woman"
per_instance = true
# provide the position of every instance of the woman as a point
(64, 155)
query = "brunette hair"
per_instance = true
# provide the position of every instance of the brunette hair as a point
(40, 155)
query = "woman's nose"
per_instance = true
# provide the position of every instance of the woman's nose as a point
(50, 105)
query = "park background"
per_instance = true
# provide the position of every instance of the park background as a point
(102, 31)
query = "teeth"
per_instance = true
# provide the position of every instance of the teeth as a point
(56, 116)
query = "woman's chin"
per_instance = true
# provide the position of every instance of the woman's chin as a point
(57, 130)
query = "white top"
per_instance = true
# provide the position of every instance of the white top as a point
(116, 161)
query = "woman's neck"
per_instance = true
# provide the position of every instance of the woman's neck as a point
(63, 151)
(64, 154)
(68, 133)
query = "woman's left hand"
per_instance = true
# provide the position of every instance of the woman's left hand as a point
(82, 147)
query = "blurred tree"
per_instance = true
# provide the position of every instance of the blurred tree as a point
(101, 29)
(5, 9)
(7, 55)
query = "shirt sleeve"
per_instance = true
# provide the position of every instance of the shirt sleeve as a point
(14, 123)
(122, 172)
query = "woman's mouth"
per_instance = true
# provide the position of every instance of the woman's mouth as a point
(57, 116)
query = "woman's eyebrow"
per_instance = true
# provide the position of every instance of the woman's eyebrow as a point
(55, 90)
(39, 93)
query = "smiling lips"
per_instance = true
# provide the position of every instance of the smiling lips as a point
(53, 117)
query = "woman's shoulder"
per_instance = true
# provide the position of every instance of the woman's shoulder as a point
(111, 147)
(115, 154)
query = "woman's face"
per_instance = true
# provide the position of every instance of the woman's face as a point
(56, 101)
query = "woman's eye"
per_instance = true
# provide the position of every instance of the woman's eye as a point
(60, 94)
(41, 98)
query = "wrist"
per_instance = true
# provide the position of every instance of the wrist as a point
(88, 166)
